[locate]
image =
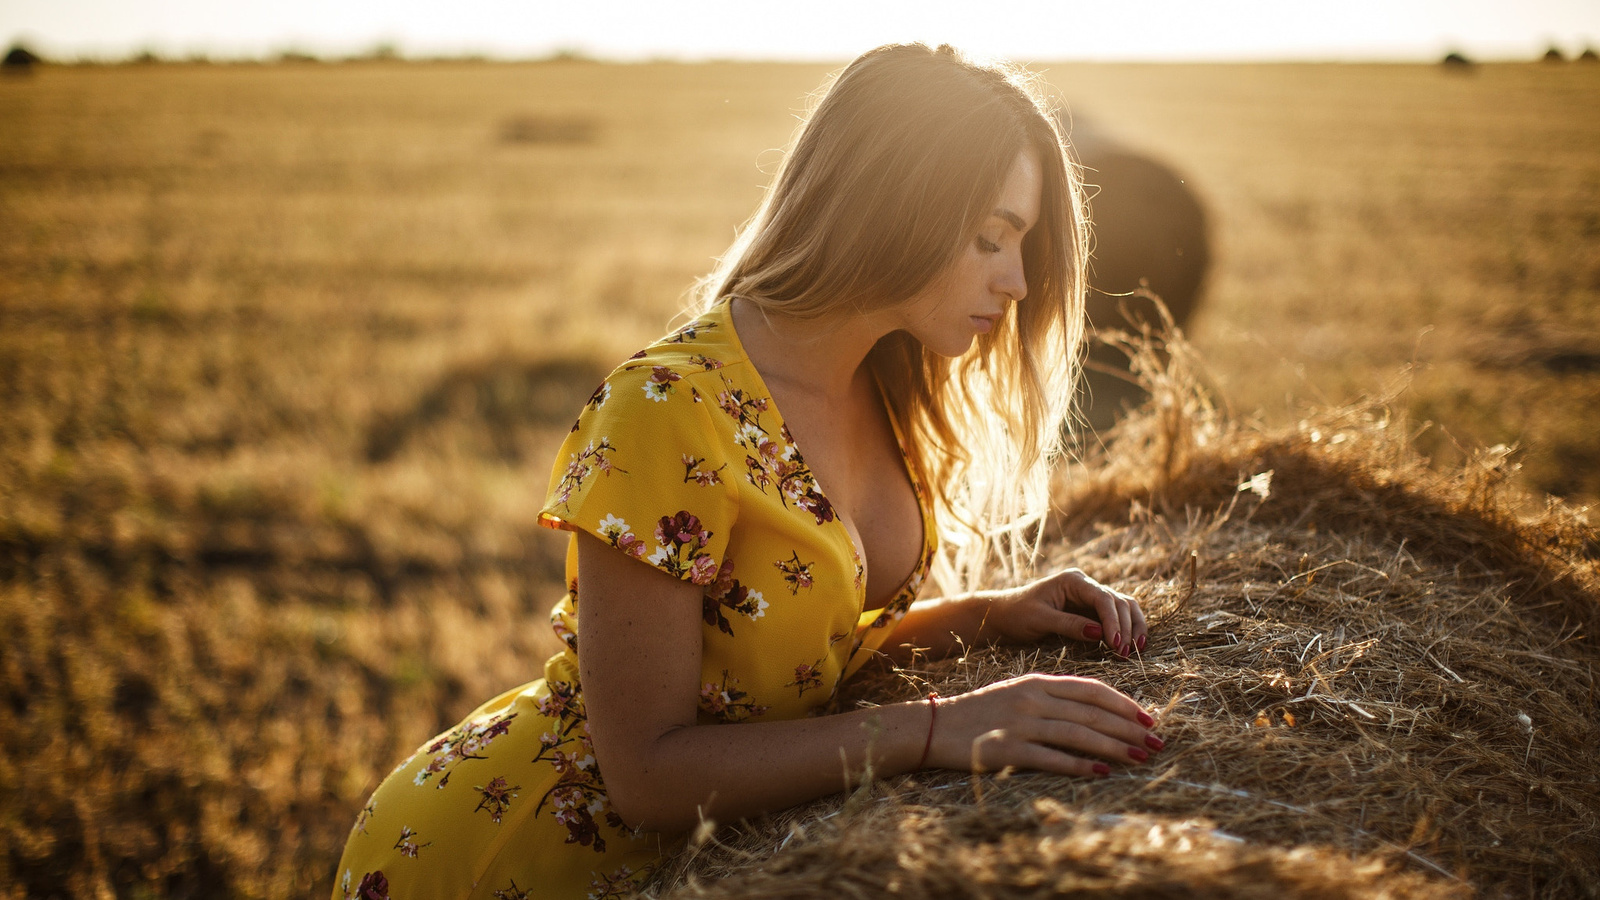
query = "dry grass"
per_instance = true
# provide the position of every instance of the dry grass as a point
(284, 351)
(1376, 680)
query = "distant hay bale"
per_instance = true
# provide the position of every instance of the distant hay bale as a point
(494, 406)
(1522, 349)
(1151, 240)
(19, 60)
(1376, 680)
(549, 129)
(1150, 233)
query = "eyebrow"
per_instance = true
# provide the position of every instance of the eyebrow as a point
(1012, 218)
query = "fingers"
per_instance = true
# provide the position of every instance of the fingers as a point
(1139, 630)
(1121, 621)
(1081, 714)
(1114, 615)
(998, 749)
(1077, 627)
(1092, 693)
(1052, 723)
(1081, 738)
(1060, 724)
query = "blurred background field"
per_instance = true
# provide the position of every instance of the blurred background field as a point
(285, 351)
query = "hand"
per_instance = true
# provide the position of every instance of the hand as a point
(1046, 722)
(1068, 603)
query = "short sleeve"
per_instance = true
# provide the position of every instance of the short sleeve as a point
(644, 470)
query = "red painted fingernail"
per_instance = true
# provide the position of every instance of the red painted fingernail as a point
(1140, 642)
(1146, 720)
(1153, 742)
(1138, 753)
(1116, 641)
(1102, 769)
(1093, 632)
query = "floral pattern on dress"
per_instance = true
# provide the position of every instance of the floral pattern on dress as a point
(772, 461)
(407, 844)
(460, 744)
(596, 457)
(558, 624)
(726, 702)
(681, 549)
(796, 574)
(689, 333)
(617, 885)
(660, 386)
(806, 677)
(365, 816)
(578, 795)
(727, 593)
(895, 609)
(596, 400)
(563, 702)
(558, 617)
(512, 893)
(373, 886)
(497, 797)
(617, 531)
(692, 471)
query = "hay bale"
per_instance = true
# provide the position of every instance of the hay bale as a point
(19, 60)
(1376, 679)
(549, 129)
(1152, 250)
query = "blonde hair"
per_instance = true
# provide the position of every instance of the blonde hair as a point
(888, 179)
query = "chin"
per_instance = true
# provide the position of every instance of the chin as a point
(948, 342)
(951, 349)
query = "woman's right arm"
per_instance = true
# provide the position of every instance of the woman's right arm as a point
(640, 636)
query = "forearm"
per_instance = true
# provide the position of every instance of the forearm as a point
(939, 626)
(1048, 723)
(1065, 604)
(727, 772)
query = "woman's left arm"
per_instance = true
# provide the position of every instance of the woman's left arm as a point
(1069, 604)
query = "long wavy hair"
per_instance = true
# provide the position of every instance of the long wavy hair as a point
(900, 161)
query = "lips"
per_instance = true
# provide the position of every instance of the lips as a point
(984, 324)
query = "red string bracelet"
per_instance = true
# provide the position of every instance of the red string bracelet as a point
(933, 716)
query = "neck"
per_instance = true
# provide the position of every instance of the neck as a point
(819, 357)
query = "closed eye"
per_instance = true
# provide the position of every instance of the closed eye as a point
(987, 245)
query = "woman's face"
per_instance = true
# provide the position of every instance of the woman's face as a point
(969, 298)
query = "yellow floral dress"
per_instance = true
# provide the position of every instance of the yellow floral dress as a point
(679, 459)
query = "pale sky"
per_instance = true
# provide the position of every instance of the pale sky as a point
(819, 29)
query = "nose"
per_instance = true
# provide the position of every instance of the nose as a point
(1011, 280)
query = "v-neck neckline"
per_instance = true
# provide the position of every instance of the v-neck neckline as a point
(724, 309)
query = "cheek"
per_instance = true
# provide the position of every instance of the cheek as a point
(966, 272)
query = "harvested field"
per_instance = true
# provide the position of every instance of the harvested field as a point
(285, 351)
(1376, 680)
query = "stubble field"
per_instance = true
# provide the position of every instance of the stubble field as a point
(284, 353)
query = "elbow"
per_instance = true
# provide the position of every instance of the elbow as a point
(638, 798)
(631, 805)
(647, 795)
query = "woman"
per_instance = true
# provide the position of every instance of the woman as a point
(927, 206)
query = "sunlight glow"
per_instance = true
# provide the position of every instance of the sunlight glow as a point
(826, 29)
